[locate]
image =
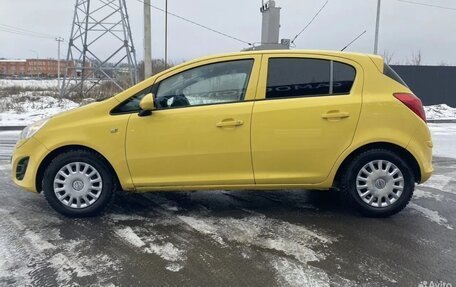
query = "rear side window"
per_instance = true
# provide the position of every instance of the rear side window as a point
(300, 77)
(389, 72)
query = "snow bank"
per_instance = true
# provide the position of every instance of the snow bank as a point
(440, 112)
(28, 107)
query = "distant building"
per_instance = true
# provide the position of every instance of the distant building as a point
(13, 67)
(38, 68)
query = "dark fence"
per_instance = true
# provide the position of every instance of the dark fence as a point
(432, 84)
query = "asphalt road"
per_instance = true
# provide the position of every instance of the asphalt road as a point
(7, 141)
(242, 238)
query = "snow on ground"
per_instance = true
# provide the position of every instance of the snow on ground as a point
(29, 83)
(288, 247)
(444, 139)
(28, 107)
(431, 215)
(440, 112)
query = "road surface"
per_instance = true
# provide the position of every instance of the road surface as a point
(221, 238)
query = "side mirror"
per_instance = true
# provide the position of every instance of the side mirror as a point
(147, 105)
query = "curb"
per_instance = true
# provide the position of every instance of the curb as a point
(442, 121)
(11, 128)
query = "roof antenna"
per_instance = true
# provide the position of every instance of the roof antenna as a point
(359, 36)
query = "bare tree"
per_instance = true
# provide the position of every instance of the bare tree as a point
(388, 56)
(416, 59)
(158, 65)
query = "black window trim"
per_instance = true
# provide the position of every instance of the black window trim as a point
(150, 89)
(331, 78)
(154, 89)
(393, 75)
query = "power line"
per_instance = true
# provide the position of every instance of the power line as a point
(310, 22)
(198, 24)
(24, 32)
(427, 5)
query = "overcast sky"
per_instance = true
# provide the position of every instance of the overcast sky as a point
(405, 28)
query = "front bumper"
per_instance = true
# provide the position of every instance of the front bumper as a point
(25, 177)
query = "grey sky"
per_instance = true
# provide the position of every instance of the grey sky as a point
(405, 28)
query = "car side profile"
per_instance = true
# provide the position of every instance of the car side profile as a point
(249, 120)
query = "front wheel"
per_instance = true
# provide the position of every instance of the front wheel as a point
(78, 183)
(378, 183)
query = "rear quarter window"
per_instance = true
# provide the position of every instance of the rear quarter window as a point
(343, 78)
(390, 73)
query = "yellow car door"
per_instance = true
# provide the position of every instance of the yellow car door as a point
(305, 116)
(199, 135)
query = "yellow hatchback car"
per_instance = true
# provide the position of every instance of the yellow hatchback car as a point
(249, 120)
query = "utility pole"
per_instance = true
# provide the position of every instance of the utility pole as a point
(147, 41)
(166, 34)
(377, 26)
(59, 40)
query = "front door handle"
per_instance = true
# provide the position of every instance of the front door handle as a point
(229, 123)
(335, 115)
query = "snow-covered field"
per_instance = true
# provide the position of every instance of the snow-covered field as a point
(31, 101)
(29, 83)
(27, 107)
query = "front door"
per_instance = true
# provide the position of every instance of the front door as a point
(200, 132)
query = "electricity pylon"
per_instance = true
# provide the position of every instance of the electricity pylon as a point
(100, 48)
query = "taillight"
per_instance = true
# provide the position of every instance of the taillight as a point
(413, 103)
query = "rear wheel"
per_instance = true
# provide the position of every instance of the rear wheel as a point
(378, 183)
(78, 183)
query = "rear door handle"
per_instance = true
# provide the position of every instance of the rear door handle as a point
(335, 115)
(229, 123)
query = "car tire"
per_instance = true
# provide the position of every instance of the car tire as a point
(79, 183)
(378, 183)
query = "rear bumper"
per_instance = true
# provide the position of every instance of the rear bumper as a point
(421, 148)
(32, 152)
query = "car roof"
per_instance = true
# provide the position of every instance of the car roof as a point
(348, 55)
(313, 52)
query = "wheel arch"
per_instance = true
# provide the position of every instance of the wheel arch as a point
(400, 151)
(50, 156)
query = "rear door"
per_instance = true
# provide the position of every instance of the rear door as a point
(305, 116)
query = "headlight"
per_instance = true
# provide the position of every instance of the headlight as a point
(32, 129)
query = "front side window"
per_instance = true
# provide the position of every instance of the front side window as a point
(300, 77)
(210, 84)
